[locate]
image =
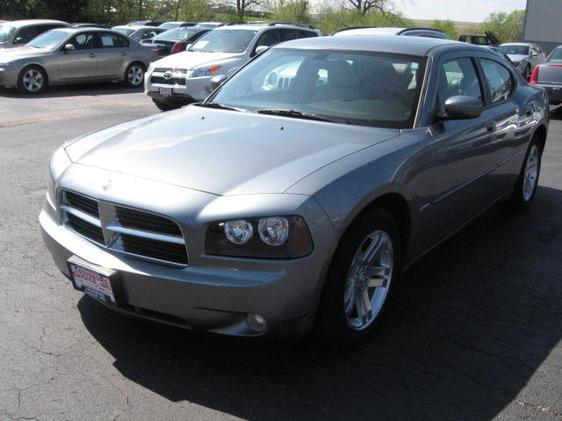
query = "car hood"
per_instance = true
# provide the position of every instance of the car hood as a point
(223, 152)
(10, 54)
(190, 59)
(516, 58)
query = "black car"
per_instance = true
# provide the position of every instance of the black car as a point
(549, 76)
(488, 39)
(176, 40)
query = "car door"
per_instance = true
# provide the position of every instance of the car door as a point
(112, 55)
(454, 186)
(79, 63)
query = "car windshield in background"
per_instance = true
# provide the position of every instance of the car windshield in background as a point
(124, 31)
(362, 88)
(521, 50)
(224, 41)
(176, 34)
(5, 32)
(49, 40)
(555, 56)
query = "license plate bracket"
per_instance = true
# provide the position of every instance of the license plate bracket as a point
(166, 91)
(95, 281)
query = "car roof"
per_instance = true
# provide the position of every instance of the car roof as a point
(26, 22)
(518, 44)
(415, 46)
(260, 26)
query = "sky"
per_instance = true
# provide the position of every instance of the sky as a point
(459, 10)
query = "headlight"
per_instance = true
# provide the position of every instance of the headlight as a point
(205, 71)
(278, 237)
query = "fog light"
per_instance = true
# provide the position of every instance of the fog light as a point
(256, 322)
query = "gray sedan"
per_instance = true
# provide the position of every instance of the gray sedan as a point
(294, 197)
(69, 55)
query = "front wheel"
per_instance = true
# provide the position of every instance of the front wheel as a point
(134, 75)
(32, 80)
(526, 186)
(359, 280)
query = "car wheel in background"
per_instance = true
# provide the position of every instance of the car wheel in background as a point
(32, 80)
(165, 106)
(527, 73)
(134, 75)
(526, 187)
(359, 280)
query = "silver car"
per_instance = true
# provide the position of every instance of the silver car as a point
(19, 32)
(296, 194)
(524, 55)
(139, 33)
(186, 77)
(74, 55)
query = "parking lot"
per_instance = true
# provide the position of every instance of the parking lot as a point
(474, 331)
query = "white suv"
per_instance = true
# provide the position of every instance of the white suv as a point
(186, 77)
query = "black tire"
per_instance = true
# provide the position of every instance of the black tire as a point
(134, 75)
(520, 199)
(165, 106)
(332, 325)
(32, 80)
(527, 74)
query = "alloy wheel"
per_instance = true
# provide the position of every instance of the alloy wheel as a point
(33, 80)
(530, 176)
(368, 280)
(135, 75)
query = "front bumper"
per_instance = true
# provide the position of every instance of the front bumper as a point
(213, 294)
(182, 90)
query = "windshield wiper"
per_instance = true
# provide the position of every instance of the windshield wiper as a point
(217, 106)
(293, 114)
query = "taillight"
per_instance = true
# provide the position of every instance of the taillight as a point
(535, 75)
(178, 47)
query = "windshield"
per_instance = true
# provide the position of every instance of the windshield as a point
(555, 56)
(178, 34)
(522, 50)
(224, 41)
(350, 87)
(6, 32)
(124, 31)
(49, 40)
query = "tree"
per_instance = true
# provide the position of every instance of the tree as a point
(242, 5)
(447, 26)
(365, 6)
(507, 27)
(296, 11)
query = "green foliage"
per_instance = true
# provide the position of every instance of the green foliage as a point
(332, 19)
(507, 27)
(447, 26)
(295, 11)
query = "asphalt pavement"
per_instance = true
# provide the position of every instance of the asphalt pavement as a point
(474, 331)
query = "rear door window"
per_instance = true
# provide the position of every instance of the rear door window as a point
(112, 41)
(499, 79)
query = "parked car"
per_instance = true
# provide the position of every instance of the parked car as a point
(525, 56)
(74, 55)
(487, 39)
(176, 40)
(186, 77)
(19, 32)
(415, 32)
(172, 25)
(139, 33)
(283, 204)
(549, 76)
(145, 23)
(88, 25)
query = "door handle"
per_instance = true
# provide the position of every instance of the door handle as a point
(491, 127)
(92, 55)
(123, 53)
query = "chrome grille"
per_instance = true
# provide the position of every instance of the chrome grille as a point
(173, 76)
(124, 230)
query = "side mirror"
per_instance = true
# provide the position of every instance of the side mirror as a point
(19, 40)
(69, 47)
(462, 108)
(260, 50)
(216, 81)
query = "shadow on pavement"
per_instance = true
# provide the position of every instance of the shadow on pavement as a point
(91, 89)
(468, 327)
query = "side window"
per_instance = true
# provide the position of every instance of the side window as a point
(112, 41)
(288, 34)
(84, 41)
(307, 34)
(269, 38)
(500, 81)
(26, 34)
(458, 77)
